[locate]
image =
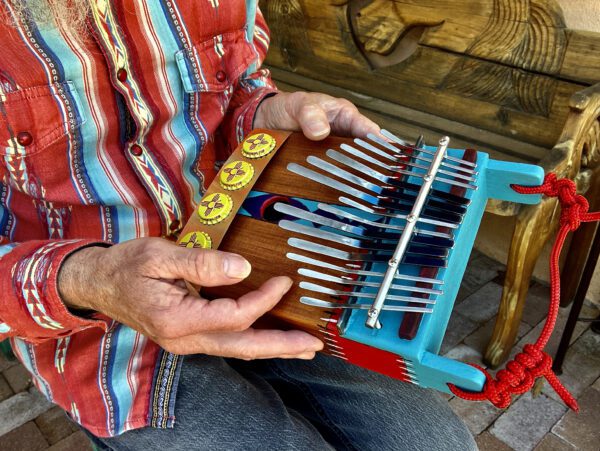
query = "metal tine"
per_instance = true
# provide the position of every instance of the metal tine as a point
(399, 156)
(361, 283)
(359, 294)
(468, 177)
(394, 138)
(359, 256)
(357, 166)
(306, 300)
(345, 214)
(359, 272)
(377, 210)
(364, 243)
(318, 162)
(395, 180)
(347, 189)
(318, 219)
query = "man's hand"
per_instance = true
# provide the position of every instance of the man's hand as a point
(316, 115)
(140, 283)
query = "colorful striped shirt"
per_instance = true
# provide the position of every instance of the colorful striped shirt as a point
(107, 136)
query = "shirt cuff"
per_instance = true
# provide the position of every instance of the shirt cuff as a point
(35, 285)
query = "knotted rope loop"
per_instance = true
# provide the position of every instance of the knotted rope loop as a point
(520, 373)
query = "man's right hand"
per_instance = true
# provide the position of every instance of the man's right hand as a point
(140, 283)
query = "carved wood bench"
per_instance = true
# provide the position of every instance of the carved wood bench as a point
(504, 76)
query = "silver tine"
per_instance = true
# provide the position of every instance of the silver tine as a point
(356, 165)
(322, 234)
(356, 294)
(394, 138)
(357, 153)
(399, 155)
(361, 283)
(344, 214)
(325, 250)
(376, 150)
(325, 304)
(332, 169)
(345, 175)
(332, 183)
(359, 272)
(375, 209)
(317, 219)
(363, 156)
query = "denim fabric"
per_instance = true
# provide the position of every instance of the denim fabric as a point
(298, 405)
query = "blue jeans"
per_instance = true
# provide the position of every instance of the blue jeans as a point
(298, 405)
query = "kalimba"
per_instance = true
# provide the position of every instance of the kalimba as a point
(375, 232)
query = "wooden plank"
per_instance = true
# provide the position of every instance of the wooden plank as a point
(409, 123)
(582, 59)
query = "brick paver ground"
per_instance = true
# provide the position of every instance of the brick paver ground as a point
(541, 423)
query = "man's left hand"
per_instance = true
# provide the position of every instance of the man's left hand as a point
(317, 115)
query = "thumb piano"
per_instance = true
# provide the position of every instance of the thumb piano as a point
(375, 232)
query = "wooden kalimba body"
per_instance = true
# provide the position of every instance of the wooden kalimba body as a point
(375, 233)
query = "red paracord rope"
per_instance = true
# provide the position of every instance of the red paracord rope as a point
(520, 373)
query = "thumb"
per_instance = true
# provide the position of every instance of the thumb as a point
(208, 268)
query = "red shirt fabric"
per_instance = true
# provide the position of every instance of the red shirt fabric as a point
(108, 136)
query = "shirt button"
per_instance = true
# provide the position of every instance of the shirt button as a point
(136, 150)
(122, 75)
(24, 138)
(221, 77)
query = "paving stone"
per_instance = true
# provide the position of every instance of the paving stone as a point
(24, 438)
(483, 304)
(527, 421)
(581, 367)
(74, 442)
(561, 320)
(553, 443)
(480, 270)
(487, 442)
(459, 327)
(5, 390)
(478, 416)
(481, 337)
(5, 362)
(466, 354)
(21, 408)
(582, 430)
(18, 378)
(536, 304)
(55, 425)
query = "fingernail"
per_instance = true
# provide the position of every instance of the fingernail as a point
(318, 127)
(236, 267)
(306, 356)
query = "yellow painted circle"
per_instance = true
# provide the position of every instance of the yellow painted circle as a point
(196, 240)
(214, 208)
(236, 175)
(258, 145)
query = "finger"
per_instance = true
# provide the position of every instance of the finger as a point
(348, 121)
(250, 344)
(314, 123)
(207, 268)
(193, 315)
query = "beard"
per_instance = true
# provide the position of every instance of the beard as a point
(69, 15)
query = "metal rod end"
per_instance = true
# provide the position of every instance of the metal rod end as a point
(445, 141)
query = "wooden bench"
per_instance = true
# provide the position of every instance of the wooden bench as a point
(504, 76)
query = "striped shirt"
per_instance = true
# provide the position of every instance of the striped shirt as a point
(107, 137)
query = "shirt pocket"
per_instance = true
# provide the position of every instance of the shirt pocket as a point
(37, 118)
(40, 139)
(215, 65)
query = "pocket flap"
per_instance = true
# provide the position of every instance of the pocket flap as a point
(43, 113)
(215, 64)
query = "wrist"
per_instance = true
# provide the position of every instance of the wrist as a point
(264, 111)
(76, 278)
